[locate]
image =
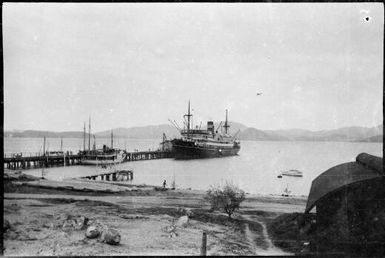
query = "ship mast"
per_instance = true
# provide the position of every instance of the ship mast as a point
(44, 147)
(89, 136)
(164, 141)
(112, 140)
(226, 126)
(84, 137)
(188, 119)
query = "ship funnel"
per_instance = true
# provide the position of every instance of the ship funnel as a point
(210, 126)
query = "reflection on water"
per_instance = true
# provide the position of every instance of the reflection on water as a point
(255, 169)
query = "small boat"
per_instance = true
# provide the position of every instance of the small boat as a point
(103, 157)
(292, 172)
(286, 192)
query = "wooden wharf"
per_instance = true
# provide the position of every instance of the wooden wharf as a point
(148, 155)
(121, 175)
(25, 162)
(21, 162)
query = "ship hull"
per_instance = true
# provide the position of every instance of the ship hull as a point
(190, 150)
(103, 160)
(100, 162)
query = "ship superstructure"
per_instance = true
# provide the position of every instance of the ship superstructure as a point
(204, 143)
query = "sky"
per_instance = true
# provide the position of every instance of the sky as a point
(318, 66)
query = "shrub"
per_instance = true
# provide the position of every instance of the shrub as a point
(226, 198)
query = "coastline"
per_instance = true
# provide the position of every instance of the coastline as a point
(35, 209)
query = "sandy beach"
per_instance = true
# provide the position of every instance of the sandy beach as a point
(37, 211)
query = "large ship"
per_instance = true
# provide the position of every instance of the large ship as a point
(204, 143)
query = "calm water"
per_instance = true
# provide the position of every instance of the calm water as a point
(255, 170)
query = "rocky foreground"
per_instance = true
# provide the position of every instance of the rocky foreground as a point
(43, 219)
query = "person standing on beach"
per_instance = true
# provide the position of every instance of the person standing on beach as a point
(164, 183)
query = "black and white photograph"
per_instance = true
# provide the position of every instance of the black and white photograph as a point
(193, 129)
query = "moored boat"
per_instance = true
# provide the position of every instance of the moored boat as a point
(102, 157)
(204, 143)
(105, 156)
(292, 172)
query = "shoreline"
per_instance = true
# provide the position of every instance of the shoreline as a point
(68, 182)
(140, 214)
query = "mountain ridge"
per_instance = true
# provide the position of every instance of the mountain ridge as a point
(350, 134)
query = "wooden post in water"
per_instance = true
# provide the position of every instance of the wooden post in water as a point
(204, 244)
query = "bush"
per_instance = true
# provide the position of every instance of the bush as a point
(227, 198)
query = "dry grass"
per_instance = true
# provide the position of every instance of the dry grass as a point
(36, 218)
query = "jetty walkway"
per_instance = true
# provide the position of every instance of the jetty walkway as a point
(120, 175)
(38, 161)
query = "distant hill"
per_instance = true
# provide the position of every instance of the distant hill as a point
(342, 134)
(41, 134)
(234, 127)
(253, 134)
(376, 138)
(351, 134)
(156, 131)
(292, 134)
(143, 132)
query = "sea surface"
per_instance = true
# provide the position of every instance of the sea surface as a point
(254, 170)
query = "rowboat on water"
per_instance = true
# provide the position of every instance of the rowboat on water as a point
(292, 172)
